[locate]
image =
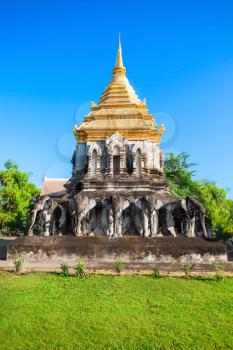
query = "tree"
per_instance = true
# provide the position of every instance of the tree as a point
(218, 207)
(179, 174)
(17, 196)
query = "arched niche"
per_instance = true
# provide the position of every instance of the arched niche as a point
(116, 161)
(138, 159)
(94, 160)
(117, 151)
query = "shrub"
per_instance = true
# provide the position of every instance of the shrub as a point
(218, 266)
(18, 265)
(188, 268)
(17, 197)
(80, 269)
(64, 270)
(118, 265)
(156, 273)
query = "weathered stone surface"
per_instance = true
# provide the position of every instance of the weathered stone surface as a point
(99, 250)
(117, 187)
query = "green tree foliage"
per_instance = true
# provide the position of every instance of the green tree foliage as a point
(178, 171)
(17, 196)
(218, 207)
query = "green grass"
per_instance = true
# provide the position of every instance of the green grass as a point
(105, 312)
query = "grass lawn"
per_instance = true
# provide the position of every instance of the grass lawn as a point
(39, 311)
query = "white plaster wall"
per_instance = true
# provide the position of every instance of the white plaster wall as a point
(151, 151)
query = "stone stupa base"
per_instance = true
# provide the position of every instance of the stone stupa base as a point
(97, 251)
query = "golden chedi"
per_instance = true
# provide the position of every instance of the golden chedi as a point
(117, 184)
(119, 109)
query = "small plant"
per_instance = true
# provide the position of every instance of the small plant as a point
(188, 268)
(65, 270)
(156, 273)
(18, 265)
(218, 266)
(173, 262)
(118, 265)
(80, 269)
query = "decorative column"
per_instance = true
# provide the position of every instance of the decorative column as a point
(89, 160)
(111, 165)
(134, 164)
(143, 169)
(98, 165)
(123, 162)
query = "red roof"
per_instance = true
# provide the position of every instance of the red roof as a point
(52, 186)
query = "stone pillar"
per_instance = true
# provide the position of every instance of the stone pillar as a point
(111, 165)
(123, 162)
(134, 164)
(143, 161)
(89, 166)
(98, 165)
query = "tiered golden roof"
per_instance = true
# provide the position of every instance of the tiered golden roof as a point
(119, 109)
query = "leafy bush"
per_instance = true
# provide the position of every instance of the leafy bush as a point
(218, 266)
(80, 269)
(219, 208)
(65, 270)
(119, 266)
(156, 273)
(17, 197)
(18, 265)
(188, 268)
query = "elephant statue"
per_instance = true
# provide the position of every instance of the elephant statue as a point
(52, 216)
(179, 217)
(38, 208)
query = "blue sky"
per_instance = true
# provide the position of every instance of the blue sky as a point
(57, 56)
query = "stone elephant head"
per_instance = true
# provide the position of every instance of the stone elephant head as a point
(193, 208)
(51, 216)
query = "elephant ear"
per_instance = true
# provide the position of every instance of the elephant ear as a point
(184, 204)
(158, 204)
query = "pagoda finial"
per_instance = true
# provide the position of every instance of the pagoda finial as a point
(119, 67)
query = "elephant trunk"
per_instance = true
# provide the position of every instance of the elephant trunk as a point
(202, 217)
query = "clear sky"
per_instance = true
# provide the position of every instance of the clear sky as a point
(57, 56)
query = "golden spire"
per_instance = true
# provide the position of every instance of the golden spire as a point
(119, 67)
(119, 109)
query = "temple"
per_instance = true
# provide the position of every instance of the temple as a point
(117, 183)
(117, 202)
